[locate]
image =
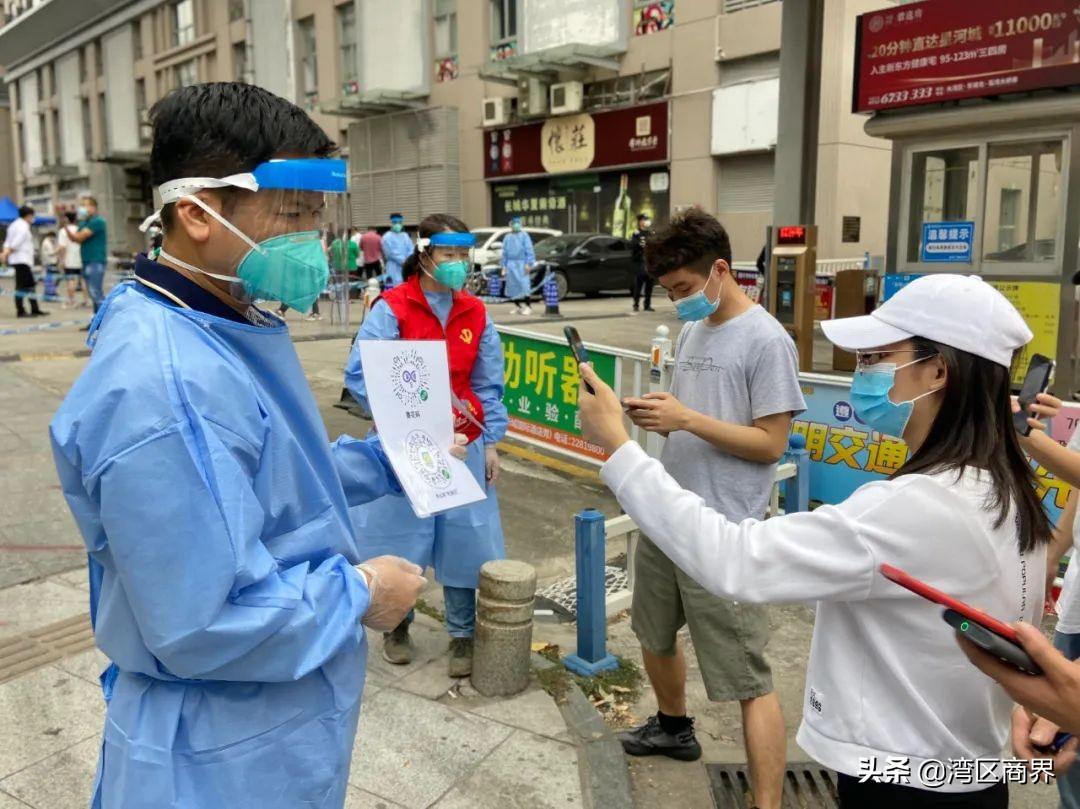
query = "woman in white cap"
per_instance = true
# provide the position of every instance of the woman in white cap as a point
(888, 691)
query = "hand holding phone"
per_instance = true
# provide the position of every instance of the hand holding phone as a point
(983, 630)
(1040, 372)
(577, 348)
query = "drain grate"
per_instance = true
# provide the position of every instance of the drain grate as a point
(35, 649)
(806, 786)
(561, 596)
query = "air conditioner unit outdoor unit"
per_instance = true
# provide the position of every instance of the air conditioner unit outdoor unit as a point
(496, 111)
(532, 97)
(567, 97)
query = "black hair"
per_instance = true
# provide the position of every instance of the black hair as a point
(974, 428)
(71, 216)
(25, 210)
(429, 226)
(642, 215)
(396, 216)
(693, 240)
(222, 128)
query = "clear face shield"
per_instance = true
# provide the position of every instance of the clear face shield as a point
(268, 226)
(447, 257)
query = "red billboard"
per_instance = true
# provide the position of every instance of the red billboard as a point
(944, 50)
(582, 142)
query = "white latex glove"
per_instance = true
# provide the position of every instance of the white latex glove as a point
(491, 463)
(394, 584)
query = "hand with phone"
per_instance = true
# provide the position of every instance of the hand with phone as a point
(1053, 695)
(658, 412)
(988, 633)
(1036, 381)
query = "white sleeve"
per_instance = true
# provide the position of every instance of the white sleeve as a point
(829, 554)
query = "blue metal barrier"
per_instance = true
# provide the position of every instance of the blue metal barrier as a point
(495, 285)
(592, 656)
(796, 490)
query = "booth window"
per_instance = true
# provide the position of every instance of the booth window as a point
(944, 188)
(1023, 202)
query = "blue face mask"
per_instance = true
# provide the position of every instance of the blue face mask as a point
(870, 398)
(396, 227)
(697, 306)
(82, 212)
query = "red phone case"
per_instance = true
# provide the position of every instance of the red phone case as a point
(923, 589)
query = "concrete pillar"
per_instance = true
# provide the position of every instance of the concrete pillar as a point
(504, 610)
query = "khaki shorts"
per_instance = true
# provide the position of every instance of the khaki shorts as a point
(729, 637)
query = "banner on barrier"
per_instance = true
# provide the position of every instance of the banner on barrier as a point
(541, 393)
(845, 453)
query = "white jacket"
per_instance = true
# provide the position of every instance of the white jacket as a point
(885, 676)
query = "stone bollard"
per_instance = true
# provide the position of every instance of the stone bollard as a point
(504, 610)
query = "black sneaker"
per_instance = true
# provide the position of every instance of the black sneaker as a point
(651, 740)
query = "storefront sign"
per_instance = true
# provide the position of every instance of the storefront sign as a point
(946, 242)
(925, 53)
(542, 391)
(627, 136)
(846, 454)
(568, 144)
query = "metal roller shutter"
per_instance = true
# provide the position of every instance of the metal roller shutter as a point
(747, 183)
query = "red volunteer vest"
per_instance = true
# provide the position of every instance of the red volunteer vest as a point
(466, 323)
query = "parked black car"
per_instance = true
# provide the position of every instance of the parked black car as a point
(589, 263)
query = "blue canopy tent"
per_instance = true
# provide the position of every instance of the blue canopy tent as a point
(9, 211)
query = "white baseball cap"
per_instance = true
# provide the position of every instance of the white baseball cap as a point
(961, 311)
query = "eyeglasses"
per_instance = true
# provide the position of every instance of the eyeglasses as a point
(864, 359)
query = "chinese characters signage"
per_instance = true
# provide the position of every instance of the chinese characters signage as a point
(541, 392)
(924, 53)
(946, 242)
(628, 136)
(845, 453)
(567, 144)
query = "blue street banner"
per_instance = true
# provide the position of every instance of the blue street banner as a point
(946, 242)
(845, 453)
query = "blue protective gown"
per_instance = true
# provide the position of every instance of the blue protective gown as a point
(517, 254)
(457, 542)
(396, 247)
(215, 514)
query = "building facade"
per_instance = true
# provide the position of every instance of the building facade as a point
(575, 114)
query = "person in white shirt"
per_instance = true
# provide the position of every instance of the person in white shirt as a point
(18, 253)
(886, 679)
(72, 258)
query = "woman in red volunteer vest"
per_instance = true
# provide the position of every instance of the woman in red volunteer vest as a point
(431, 305)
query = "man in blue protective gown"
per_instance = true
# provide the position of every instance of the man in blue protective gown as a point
(226, 586)
(517, 260)
(396, 247)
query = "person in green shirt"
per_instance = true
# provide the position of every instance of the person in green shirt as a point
(92, 237)
(353, 246)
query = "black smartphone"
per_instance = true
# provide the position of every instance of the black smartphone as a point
(995, 643)
(577, 348)
(1060, 738)
(1040, 371)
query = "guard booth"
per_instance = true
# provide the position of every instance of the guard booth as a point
(792, 285)
(982, 104)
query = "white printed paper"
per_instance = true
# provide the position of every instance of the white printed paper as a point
(408, 388)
